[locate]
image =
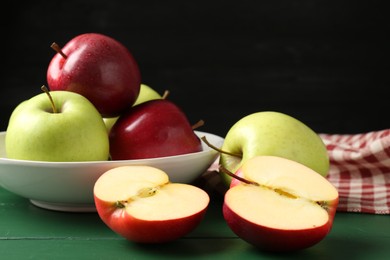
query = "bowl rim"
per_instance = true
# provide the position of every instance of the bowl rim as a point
(205, 150)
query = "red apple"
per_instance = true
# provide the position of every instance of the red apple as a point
(155, 128)
(140, 204)
(99, 68)
(280, 205)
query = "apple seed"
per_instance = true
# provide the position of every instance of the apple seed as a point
(147, 192)
(120, 204)
(142, 193)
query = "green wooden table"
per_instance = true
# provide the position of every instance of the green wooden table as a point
(29, 232)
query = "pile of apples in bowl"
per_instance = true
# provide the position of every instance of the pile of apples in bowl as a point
(100, 140)
(96, 116)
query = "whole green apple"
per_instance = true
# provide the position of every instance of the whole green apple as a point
(146, 93)
(59, 126)
(276, 134)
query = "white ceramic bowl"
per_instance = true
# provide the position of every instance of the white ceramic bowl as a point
(68, 186)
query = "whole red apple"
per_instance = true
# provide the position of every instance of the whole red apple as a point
(155, 128)
(279, 204)
(99, 68)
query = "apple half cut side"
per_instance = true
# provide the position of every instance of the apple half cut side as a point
(282, 206)
(142, 205)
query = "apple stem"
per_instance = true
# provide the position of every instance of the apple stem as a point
(198, 124)
(217, 149)
(57, 48)
(46, 90)
(165, 94)
(226, 171)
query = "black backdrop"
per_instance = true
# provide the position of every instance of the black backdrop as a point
(323, 62)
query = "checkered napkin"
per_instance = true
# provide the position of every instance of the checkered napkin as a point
(360, 170)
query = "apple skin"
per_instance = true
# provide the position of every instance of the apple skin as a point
(99, 68)
(273, 133)
(273, 239)
(76, 133)
(144, 231)
(146, 93)
(170, 212)
(155, 128)
(269, 239)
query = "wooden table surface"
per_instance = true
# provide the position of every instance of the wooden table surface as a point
(29, 232)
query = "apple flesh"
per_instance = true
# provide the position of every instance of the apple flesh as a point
(99, 68)
(155, 128)
(282, 206)
(142, 205)
(276, 134)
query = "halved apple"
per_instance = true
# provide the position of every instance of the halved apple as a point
(142, 205)
(280, 205)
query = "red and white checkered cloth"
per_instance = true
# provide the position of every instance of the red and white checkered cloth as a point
(360, 170)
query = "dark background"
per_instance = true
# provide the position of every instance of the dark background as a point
(323, 62)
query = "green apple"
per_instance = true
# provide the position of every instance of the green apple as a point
(276, 134)
(109, 122)
(146, 93)
(59, 126)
